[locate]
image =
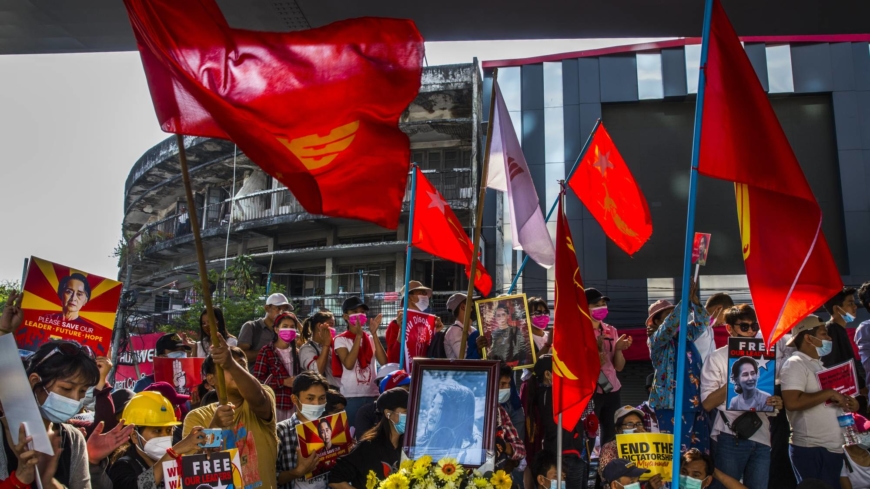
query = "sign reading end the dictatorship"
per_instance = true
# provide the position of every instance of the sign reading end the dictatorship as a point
(651, 451)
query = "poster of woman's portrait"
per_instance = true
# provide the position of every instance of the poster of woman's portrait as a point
(452, 410)
(505, 324)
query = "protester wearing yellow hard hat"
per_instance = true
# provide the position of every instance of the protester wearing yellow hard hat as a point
(151, 442)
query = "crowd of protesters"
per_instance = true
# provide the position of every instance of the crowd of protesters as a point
(284, 370)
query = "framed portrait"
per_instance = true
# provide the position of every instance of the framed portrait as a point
(506, 323)
(452, 410)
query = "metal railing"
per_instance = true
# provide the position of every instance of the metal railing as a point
(453, 184)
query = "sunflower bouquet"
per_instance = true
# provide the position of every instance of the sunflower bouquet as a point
(447, 473)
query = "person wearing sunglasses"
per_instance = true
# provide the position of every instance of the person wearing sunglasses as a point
(60, 373)
(627, 420)
(746, 459)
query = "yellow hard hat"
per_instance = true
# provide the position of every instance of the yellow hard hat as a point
(150, 409)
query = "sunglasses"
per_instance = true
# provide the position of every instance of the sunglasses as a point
(67, 349)
(746, 327)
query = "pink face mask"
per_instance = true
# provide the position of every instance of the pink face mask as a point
(332, 332)
(540, 322)
(358, 319)
(287, 335)
(599, 313)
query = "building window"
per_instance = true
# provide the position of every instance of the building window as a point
(441, 159)
(649, 76)
(779, 74)
(693, 67)
(368, 238)
(299, 245)
(377, 277)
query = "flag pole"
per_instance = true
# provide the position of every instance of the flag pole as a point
(408, 251)
(556, 202)
(466, 321)
(690, 234)
(559, 450)
(203, 270)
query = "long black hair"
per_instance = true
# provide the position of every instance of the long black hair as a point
(204, 339)
(293, 349)
(311, 323)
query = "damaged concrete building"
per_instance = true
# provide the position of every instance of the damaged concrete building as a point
(317, 260)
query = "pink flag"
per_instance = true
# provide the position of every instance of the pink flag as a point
(508, 172)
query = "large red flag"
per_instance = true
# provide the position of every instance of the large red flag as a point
(606, 186)
(438, 231)
(575, 351)
(316, 109)
(788, 263)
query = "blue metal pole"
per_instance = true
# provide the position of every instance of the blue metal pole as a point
(408, 262)
(556, 202)
(687, 256)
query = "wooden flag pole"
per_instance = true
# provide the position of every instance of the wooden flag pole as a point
(466, 321)
(203, 271)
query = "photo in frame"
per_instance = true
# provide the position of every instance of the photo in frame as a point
(505, 322)
(452, 410)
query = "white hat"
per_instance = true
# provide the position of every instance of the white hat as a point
(386, 370)
(278, 300)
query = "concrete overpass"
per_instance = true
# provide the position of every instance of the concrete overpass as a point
(76, 26)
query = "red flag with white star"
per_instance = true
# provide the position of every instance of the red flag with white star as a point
(606, 186)
(438, 231)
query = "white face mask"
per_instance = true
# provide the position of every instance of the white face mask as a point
(553, 484)
(633, 485)
(312, 411)
(156, 448)
(504, 395)
(687, 482)
(422, 302)
(176, 354)
(628, 432)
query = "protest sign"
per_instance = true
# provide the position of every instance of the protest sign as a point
(419, 331)
(652, 451)
(185, 374)
(842, 378)
(329, 437)
(138, 351)
(67, 304)
(751, 374)
(216, 469)
(16, 395)
(700, 248)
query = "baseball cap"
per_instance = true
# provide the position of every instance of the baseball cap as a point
(386, 370)
(455, 300)
(620, 467)
(278, 300)
(166, 390)
(625, 411)
(806, 324)
(398, 378)
(594, 295)
(352, 303)
(169, 342)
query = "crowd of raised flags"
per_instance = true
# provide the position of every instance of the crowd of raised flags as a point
(340, 152)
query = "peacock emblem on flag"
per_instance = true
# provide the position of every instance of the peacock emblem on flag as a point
(315, 151)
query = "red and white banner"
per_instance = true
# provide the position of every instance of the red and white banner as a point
(139, 350)
(418, 335)
(182, 373)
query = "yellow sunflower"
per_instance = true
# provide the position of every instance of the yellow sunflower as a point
(480, 482)
(500, 480)
(419, 472)
(407, 465)
(397, 481)
(424, 461)
(371, 480)
(448, 470)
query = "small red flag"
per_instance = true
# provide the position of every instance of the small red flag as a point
(606, 186)
(788, 263)
(575, 351)
(316, 109)
(438, 231)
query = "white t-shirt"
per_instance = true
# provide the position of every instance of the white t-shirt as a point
(859, 476)
(714, 374)
(453, 340)
(358, 382)
(817, 426)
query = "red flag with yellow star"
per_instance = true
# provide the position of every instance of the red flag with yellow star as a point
(606, 186)
(316, 109)
(575, 352)
(438, 231)
(789, 265)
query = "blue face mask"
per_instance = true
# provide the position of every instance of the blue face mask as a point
(687, 482)
(848, 317)
(176, 354)
(553, 484)
(825, 349)
(59, 409)
(400, 426)
(90, 402)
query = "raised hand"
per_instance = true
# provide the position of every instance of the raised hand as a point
(27, 458)
(101, 445)
(375, 324)
(623, 343)
(12, 316)
(223, 416)
(221, 353)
